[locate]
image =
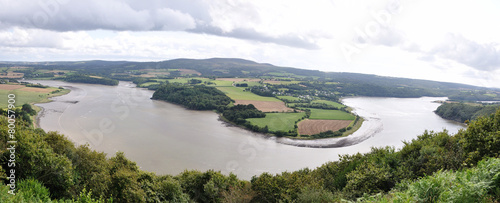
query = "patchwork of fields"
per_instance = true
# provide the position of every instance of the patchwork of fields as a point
(28, 95)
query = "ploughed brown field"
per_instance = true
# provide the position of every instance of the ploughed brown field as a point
(10, 87)
(36, 89)
(266, 106)
(311, 127)
(23, 88)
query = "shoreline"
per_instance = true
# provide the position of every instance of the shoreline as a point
(333, 142)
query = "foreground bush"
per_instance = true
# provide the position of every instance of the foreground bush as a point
(54, 170)
(480, 184)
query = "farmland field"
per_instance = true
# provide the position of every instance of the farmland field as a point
(28, 95)
(321, 114)
(311, 127)
(277, 121)
(331, 103)
(238, 93)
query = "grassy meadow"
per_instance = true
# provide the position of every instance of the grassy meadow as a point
(29, 96)
(277, 121)
(321, 114)
(331, 103)
(238, 93)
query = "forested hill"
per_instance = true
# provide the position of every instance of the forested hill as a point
(352, 83)
(462, 112)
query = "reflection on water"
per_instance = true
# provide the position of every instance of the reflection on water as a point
(166, 138)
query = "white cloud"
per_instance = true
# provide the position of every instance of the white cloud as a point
(17, 37)
(483, 57)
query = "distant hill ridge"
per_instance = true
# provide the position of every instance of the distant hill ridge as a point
(236, 67)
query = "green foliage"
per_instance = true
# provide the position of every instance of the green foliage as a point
(91, 171)
(377, 173)
(471, 185)
(87, 197)
(328, 133)
(239, 113)
(431, 152)
(196, 97)
(27, 108)
(194, 81)
(474, 95)
(208, 186)
(124, 186)
(33, 190)
(52, 167)
(462, 112)
(169, 189)
(36, 159)
(240, 194)
(284, 187)
(313, 195)
(81, 78)
(263, 91)
(481, 138)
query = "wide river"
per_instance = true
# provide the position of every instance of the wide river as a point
(167, 139)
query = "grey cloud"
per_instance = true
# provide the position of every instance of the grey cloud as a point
(485, 57)
(251, 34)
(91, 15)
(132, 15)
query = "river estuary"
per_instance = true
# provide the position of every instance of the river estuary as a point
(167, 138)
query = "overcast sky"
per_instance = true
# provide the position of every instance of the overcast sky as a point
(455, 41)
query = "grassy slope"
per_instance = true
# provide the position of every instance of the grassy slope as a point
(278, 121)
(332, 103)
(237, 93)
(321, 114)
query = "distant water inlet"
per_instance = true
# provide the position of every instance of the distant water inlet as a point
(167, 138)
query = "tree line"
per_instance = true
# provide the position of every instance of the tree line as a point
(462, 112)
(81, 78)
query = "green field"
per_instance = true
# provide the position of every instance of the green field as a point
(26, 97)
(277, 121)
(237, 93)
(294, 104)
(289, 98)
(321, 114)
(331, 103)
